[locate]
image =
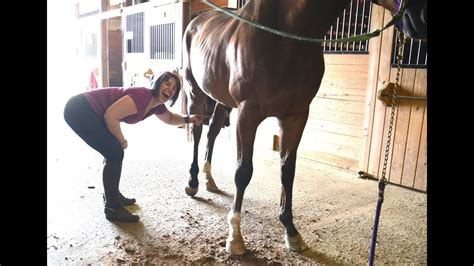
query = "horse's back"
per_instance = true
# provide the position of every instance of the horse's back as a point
(233, 62)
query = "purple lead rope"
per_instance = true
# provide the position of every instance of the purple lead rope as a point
(376, 223)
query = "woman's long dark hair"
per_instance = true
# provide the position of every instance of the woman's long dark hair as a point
(165, 76)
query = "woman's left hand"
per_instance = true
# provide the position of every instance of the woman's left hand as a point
(124, 144)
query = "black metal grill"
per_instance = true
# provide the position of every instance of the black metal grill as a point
(162, 38)
(354, 20)
(415, 53)
(135, 25)
(240, 3)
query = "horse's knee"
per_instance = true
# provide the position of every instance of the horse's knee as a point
(213, 132)
(243, 174)
(288, 162)
(288, 167)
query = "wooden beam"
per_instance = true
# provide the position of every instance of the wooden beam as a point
(104, 52)
(374, 57)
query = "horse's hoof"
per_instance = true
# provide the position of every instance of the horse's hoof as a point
(235, 246)
(191, 191)
(211, 185)
(295, 243)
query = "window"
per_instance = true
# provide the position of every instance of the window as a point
(134, 34)
(414, 53)
(355, 20)
(240, 3)
(91, 46)
(235, 4)
(162, 39)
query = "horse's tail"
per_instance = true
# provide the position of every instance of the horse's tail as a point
(187, 77)
(184, 111)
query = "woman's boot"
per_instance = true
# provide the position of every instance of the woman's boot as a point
(125, 201)
(114, 210)
(120, 215)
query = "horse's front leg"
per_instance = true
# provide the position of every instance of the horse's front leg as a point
(247, 123)
(215, 125)
(291, 130)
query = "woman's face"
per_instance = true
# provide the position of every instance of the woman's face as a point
(167, 90)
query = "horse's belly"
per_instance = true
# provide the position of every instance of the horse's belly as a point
(212, 80)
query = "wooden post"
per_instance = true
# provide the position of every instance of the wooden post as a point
(104, 51)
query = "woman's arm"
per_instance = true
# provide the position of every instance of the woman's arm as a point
(123, 107)
(177, 119)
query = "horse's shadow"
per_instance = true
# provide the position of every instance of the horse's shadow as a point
(252, 257)
(318, 257)
(218, 192)
(212, 203)
(223, 193)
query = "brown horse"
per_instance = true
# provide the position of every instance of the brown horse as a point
(265, 75)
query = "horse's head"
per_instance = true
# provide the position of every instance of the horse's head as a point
(414, 18)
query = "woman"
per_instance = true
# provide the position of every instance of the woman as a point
(96, 115)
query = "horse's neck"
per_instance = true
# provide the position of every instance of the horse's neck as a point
(310, 18)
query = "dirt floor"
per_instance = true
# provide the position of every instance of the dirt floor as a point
(333, 209)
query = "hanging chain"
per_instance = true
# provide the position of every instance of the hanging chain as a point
(401, 43)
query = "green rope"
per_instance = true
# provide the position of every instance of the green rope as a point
(357, 38)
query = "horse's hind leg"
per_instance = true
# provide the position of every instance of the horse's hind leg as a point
(195, 105)
(291, 130)
(193, 183)
(215, 125)
(247, 123)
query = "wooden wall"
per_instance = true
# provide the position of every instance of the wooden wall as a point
(407, 159)
(347, 126)
(115, 52)
(333, 133)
